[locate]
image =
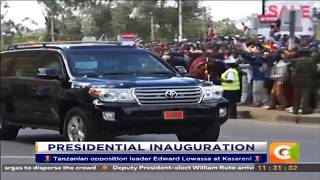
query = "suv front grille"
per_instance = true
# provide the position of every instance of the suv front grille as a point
(168, 95)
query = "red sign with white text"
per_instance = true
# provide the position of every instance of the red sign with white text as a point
(267, 19)
(278, 10)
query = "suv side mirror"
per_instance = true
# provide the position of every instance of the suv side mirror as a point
(48, 73)
(181, 70)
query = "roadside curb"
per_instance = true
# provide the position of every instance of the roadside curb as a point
(244, 115)
(259, 114)
(310, 118)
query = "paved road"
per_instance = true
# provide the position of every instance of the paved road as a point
(21, 151)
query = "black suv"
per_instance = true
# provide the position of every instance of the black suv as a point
(91, 91)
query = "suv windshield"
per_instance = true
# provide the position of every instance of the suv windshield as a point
(114, 62)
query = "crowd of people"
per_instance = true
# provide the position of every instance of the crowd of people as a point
(267, 73)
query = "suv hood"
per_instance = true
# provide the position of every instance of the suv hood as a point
(131, 82)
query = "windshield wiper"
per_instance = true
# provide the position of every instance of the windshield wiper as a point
(118, 73)
(130, 73)
(161, 72)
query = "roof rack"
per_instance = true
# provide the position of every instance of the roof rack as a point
(45, 44)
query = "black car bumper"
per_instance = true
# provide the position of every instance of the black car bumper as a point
(135, 119)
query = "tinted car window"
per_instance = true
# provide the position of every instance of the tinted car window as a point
(50, 60)
(102, 61)
(6, 64)
(25, 64)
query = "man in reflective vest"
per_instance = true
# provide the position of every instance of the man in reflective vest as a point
(230, 81)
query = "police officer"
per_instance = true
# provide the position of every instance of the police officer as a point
(230, 81)
(315, 55)
(303, 81)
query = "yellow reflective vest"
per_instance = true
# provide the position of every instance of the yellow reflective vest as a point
(231, 86)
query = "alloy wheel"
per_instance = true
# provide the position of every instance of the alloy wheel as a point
(75, 128)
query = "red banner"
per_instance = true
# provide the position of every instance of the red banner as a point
(267, 19)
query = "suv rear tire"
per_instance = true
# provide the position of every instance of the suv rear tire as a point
(210, 133)
(79, 127)
(7, 132)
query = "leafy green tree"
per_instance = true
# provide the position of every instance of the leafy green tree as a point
(74, 19)
(121, 16)
(33, 36)
(227, 27)
(11, 32)
(67, 25)
(88, 27)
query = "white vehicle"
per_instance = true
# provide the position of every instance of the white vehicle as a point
(89, 38)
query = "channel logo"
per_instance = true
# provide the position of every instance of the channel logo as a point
(284, 152)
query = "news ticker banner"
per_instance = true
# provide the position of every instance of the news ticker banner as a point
(265, 167)
(167, 152)
(149, 147)
(151, 152)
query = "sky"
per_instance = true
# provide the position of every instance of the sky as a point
(234, 10)
(20, 9)
(219, 10)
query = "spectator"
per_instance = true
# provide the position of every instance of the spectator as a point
(280, 76)
(303, 79)
(267, 63)
(246, 78)
(259, 92)
(265, 67)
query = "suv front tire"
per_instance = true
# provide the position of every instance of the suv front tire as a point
(79, 127)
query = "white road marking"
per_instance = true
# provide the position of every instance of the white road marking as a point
(293, 125)
(279, 123)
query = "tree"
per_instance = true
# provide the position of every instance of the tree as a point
(6, 26)
(70, 27)
(96, 18)
(33, 36)
(73, 19)
(88, 27)
(67, 26)
(11, 32)
(227, 27)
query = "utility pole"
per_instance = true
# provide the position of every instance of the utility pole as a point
(180, 21)
(52, 30)
(205, 24)
(292, 27)
(152, 27)
(263, 7)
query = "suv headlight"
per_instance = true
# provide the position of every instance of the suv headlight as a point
(112, 94)
(212, 92)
